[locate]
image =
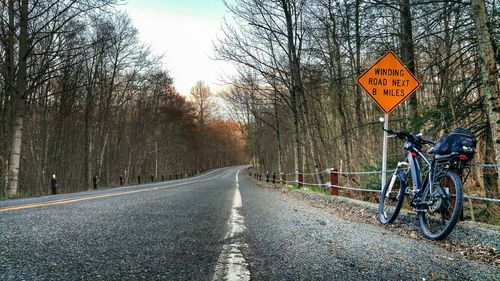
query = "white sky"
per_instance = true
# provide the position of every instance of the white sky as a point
(183, 31)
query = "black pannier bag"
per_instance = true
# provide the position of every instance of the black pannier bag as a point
(460, 141)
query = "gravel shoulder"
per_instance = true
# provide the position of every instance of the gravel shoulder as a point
(475, 240)
(331, 238)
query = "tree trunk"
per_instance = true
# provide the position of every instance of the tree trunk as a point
(297, 160)
(408, 53)
(360, 112)
(490, 180)
(19, 102)
(489, 77)
(102, 154)
(358, 57)
(278, 135)
(336, 60)
(9, 92)
(309, 136)
(336, 86)
(297, 87)
(16, 142)
(87, 147)
(445, 77)
(156, 156)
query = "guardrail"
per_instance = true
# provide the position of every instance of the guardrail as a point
(130, 179)
(334, 186)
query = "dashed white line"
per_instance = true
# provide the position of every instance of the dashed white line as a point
(231, 264)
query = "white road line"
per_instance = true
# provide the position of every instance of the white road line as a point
(231, 264)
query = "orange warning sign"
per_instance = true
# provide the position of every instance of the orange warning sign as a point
(388, 82)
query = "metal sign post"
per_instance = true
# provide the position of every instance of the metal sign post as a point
(388, 82)
(384, 150)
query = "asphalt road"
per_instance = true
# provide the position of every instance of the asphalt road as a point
(218, 226)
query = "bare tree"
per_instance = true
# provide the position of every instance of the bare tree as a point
(310, 53)
(203, 102)
(37, 23)
(489, 78)
(81, 97)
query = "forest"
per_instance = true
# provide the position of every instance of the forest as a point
(296, 99)
(83, 100)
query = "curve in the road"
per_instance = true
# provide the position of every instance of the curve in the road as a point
(85, 198)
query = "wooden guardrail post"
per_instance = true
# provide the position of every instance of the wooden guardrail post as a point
(94, 182)
(53, 185)
(300, 180)
(274, 177)
(283, 178)
(334, 182)
(121, 179)
(267, 176)
(139, 179)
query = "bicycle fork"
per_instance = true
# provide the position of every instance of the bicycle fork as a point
(399, 172)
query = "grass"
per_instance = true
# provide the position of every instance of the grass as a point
(317, 189)
(308, 187)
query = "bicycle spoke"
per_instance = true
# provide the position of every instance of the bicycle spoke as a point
(442, 207)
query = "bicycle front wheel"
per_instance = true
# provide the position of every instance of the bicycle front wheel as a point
(391, 199)
(441, 208)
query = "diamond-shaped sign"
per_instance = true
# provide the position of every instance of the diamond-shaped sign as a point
(388, 82)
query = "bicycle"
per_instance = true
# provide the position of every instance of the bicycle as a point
(436, 194)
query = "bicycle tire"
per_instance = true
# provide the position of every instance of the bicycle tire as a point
(387, 213)
(439, 218)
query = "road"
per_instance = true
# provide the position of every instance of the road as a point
(217, 226)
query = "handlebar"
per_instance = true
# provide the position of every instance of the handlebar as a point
(410, 137)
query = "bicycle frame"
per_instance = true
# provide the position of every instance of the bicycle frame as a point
(412, 157)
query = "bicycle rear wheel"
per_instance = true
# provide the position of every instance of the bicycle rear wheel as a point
(442, 207)
(391, 199)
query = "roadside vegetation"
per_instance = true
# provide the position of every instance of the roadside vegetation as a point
(300, 109)
(81, 98)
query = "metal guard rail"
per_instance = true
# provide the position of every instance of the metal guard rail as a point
(282, 179)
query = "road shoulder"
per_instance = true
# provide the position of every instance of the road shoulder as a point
(476, 241)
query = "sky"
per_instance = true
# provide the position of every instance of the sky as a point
(183, 32)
